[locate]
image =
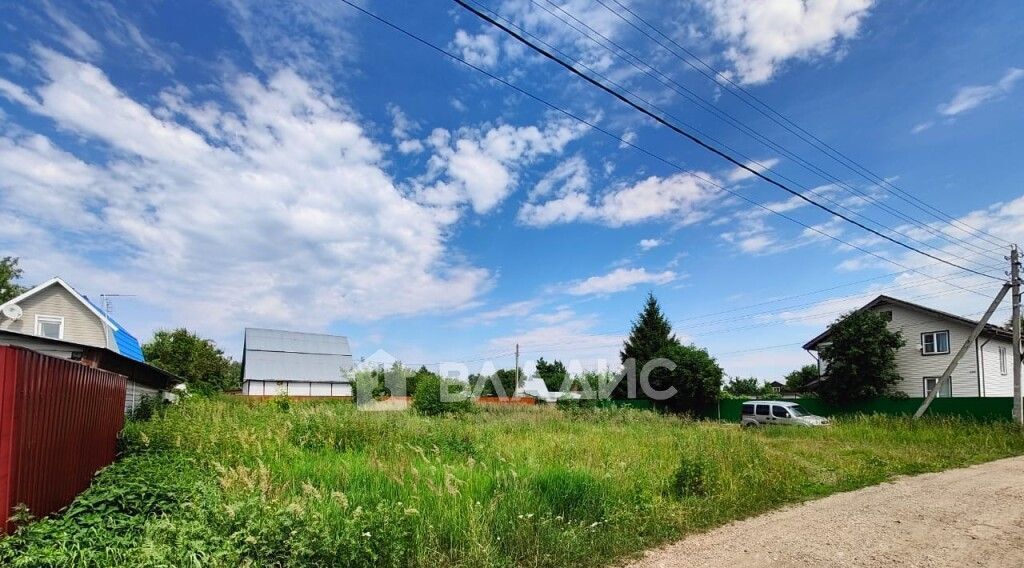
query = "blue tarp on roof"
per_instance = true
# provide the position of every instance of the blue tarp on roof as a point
(127, 345)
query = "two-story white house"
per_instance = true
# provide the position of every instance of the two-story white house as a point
(932, 339)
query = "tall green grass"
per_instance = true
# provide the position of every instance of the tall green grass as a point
(227, 482)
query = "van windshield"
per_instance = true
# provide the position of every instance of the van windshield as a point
(796, 410)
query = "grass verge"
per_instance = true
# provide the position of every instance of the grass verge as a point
(224, 482)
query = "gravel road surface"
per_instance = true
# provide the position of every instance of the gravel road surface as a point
(963, 517)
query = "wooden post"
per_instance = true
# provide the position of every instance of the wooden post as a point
(963, 351)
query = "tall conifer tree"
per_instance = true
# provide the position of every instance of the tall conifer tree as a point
(650, 334)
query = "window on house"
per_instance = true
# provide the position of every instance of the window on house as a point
(887, 315)
(929, 384)
(50, 326)
(935, 343)
(1002, 360)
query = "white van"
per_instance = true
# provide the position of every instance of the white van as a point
(766, 412)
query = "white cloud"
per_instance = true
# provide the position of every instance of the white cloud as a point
(127, 35)
(648, 244)
(402, 128)
(740, 174)
(480, 167)
(618, 280)
(480, 50)
(571, 340)
(682, 197)
(761, 36)
(277, 210)
(512, 310)
(73, 37)
(548, 25)
(569, 176)
(922, 126)
(629, 138)
(968, 98)
(298, 34)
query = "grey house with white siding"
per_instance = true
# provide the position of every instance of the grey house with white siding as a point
(295, 363)
(932, 338)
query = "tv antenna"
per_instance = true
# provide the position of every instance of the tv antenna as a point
(108, 302)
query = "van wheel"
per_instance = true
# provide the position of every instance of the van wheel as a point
(748, 425)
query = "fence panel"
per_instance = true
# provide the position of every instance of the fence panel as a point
(59, 422)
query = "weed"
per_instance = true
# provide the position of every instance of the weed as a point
(226, 482)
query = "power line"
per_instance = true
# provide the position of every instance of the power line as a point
(590, 345)
(802, 295)
(630, 144)
(666, 80)
(696, 140)
(747, 159)
(723, 80)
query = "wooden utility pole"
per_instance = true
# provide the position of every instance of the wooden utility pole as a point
(517, 368)
(1018, 415)
(963, 351)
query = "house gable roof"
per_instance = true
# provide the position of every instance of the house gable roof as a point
(990, 330)
(277, 355)
(125, 342)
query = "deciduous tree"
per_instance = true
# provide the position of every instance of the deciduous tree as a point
(859, 358)
(204, 366)
(798, 379)
(553, 374)
(696, 377)
(9, 276)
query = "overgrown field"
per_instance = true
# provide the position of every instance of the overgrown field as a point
(225, 482)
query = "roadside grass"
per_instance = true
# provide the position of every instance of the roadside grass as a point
(229, 482)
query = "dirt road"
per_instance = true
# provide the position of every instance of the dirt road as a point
(963, 517)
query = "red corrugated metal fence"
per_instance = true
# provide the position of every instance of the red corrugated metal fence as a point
(59, 422)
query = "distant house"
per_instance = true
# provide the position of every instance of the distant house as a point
(776, 387)
(932, 339)
(55, 319)
(536, 387)
(294, 363)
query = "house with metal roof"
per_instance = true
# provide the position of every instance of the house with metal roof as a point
(56, 319)
(55, 310)
(932, 338)
(295, 363)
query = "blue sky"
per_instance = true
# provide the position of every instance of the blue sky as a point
(299, 165)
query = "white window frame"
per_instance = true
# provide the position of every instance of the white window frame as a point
(1002, 361)
(59, 320)
(935, 342)
(924, 387)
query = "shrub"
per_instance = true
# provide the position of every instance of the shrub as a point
(576, 407)
(148, 406)
(281, 402)
(693, 478)
(435, 396)
(697, 379)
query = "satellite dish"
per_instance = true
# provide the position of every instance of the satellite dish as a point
(12, 311)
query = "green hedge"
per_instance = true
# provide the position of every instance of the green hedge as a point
(987, 408)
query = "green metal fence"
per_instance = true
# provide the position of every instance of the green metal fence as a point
(988, 408)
